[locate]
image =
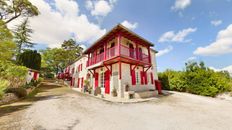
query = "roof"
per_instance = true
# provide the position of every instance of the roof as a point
(33, 70)
(118, 28)
(78, 58)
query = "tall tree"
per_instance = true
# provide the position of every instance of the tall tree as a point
(12, 9)
(22, 35)
(7, 46)
(72, 50)
(30, 59)
(54, 59)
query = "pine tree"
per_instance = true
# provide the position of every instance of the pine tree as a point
(22, 35)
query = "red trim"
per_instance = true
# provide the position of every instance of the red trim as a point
(107, 68)
(141, 77)
(111, 69)
(119, 43)
(145, 77)
(107, 81)
(105, 45)
(133, 77)
(78, 82)
(137, 54)
(120, 70)
(96, 79)
(149, 55)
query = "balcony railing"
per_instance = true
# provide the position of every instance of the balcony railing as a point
(113, 51)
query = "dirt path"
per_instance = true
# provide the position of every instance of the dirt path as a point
(63, 109)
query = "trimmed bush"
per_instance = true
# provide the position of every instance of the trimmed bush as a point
(19, 92)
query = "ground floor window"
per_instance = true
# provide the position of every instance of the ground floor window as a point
(102, 81)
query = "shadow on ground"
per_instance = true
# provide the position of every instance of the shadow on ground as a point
(44, 93)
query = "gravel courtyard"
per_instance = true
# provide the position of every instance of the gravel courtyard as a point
(64, 109)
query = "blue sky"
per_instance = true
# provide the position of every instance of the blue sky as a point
(180, 29)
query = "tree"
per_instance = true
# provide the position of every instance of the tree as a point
(30, 59)
(12, 9)
(7, 46)
(72, 50)
(22, 35)
(54, 59)
(197, 79)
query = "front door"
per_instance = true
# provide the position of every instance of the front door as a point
(107, 82)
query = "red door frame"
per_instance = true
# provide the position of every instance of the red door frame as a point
(107, 81)
(96, 79)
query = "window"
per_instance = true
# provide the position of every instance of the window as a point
(102, 80)
(137, 77)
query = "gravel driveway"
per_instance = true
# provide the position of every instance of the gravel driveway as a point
(66, 110)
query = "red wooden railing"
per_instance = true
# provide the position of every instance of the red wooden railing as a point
(113, 51)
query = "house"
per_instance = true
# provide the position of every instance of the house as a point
(120, 60)
(32, 74)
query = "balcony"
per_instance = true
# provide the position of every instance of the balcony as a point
(113, 52)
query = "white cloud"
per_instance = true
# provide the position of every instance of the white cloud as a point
(164, 51)
(129, 25)
(171, 36)
(181, 4)
(216, 22)
(228, 68)
(192, 58)
(101, 7)
(222, 45)
(59, 21)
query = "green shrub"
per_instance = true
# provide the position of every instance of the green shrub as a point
(19, 92)
(196, 79)
(13, 73)
(40, 79)
(3, 86)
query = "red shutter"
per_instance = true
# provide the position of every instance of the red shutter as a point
(133, 78)
(82, 82)
(152, 81)
(78, 82)
(35, 75)
(141, 77)
(81, 67)
(96, 80)
(145, 77)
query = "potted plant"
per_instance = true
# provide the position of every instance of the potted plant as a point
(90, 89)
(114, 92)
(86, 85)
(97, 91)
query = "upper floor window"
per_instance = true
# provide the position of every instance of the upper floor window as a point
(101, 50)
(140, 55)
(131, 50)
(112, 45)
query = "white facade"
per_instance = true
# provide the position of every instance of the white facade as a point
(121, 60)
(82, 74)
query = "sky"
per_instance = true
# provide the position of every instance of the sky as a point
(181, 30)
